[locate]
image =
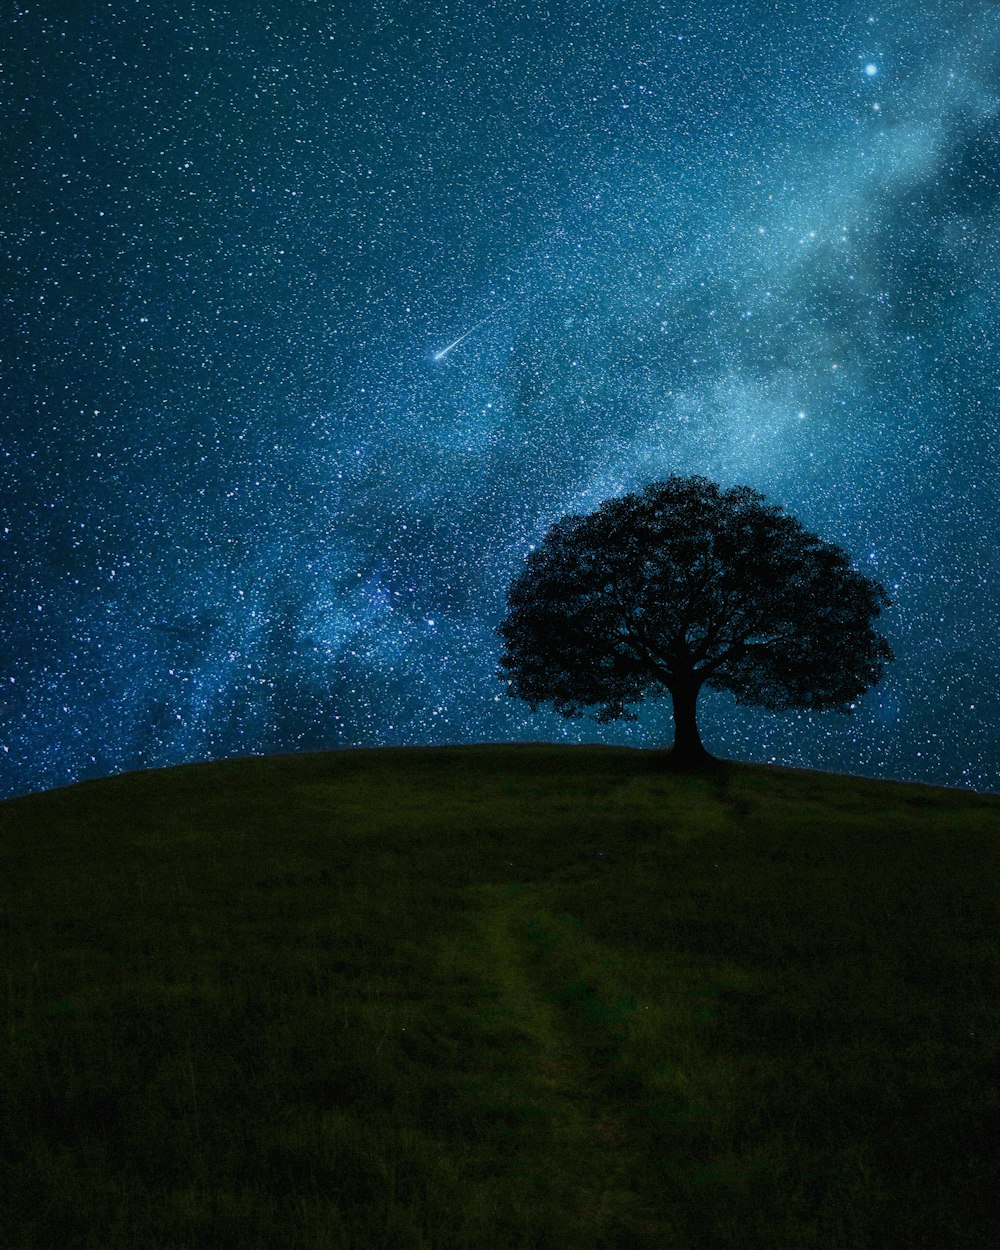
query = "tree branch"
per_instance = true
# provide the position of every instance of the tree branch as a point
(647, 653)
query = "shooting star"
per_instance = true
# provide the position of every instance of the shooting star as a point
(445, 350)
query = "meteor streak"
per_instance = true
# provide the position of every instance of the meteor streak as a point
(445, 350)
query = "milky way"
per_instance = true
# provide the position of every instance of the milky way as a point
(250, 506)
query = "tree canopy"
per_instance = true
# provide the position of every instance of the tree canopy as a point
(680, 585)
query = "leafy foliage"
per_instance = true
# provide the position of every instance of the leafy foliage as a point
(683, 584)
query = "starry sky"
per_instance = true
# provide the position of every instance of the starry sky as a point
(251, 499)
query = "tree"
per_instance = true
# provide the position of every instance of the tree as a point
(682, 585)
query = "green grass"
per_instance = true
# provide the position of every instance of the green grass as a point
(498, 997)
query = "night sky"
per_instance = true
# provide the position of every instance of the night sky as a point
(248, 506)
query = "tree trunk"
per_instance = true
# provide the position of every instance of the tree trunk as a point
(687, 748)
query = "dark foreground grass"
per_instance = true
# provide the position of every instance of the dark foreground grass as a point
(498, 997)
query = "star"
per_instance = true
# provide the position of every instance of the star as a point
(239, 447)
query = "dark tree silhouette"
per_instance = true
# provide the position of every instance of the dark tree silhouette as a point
(682, 585)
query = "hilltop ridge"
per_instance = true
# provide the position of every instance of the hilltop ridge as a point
(499, 996)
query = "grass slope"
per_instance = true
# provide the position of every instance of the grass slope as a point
(498, 997)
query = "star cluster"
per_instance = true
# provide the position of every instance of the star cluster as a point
(251, 504)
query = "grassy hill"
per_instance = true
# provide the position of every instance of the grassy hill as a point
(498, 997)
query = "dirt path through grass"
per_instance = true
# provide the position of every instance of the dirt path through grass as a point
(585, 1149)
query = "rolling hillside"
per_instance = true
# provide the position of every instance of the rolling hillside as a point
(498, 997)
